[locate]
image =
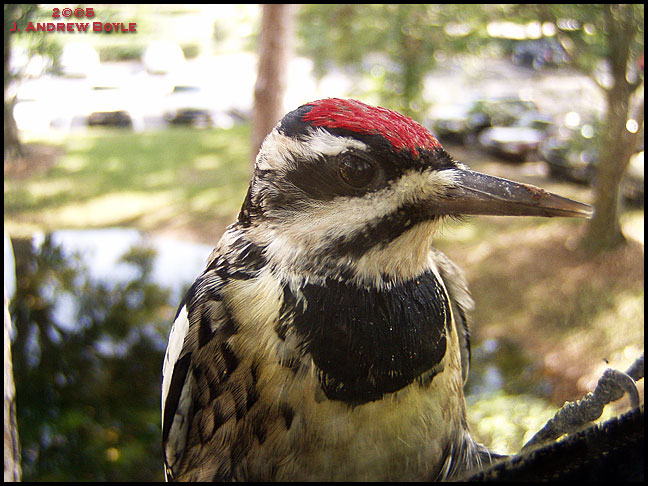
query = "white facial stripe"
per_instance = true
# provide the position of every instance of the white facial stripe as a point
(303, 234)
(323, 142)
(279, 151)
(309, 231)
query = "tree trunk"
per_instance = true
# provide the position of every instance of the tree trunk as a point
(12, 146)
(617, 144)
(604, 230)
(12, 471)
(275, 47)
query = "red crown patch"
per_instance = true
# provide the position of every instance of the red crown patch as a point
(401, 131)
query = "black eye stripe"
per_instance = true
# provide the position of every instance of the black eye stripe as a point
(319, 177)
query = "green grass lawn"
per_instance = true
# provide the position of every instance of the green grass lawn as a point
(173, 179)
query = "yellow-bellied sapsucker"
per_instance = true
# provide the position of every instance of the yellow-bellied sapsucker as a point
(327, 339)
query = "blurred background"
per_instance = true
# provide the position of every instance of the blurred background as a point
(128, 153)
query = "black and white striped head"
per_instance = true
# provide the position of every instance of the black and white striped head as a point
(341, 186)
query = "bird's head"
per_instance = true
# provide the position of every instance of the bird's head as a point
(342, 187)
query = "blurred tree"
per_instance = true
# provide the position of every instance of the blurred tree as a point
(275, 44)
(20, 14)
(87, 391)
(36, 44)
(394, 46)
(606, 42)
(12, 469)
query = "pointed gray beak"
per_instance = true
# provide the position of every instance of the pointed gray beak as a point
(477, 193)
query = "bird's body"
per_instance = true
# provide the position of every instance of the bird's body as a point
(327, 339)
(271, 402)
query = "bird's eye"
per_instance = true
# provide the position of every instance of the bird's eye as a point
(356, 172)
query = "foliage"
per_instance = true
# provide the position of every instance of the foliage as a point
(584, 31)
(391, 47)
(87, 390)
(34, 42)
(33, 45)
(191, 50)
(504, 422)
(606, 42)
(396, 45)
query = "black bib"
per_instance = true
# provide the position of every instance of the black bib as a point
(367, 342)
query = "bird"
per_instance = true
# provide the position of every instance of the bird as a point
(327, 339)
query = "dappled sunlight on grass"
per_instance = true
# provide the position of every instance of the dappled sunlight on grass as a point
(205, 200)
(48, 189)
(182, 173)
(207, 162)
(71, 163)
(161, 178)
(113, 209)
(612, 336)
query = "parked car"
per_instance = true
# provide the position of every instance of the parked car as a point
(111, 102)
(539, 53)
(519, 141)
(570, 152)
(108, 108)
(501, 112)
(186, 105)
(573, 155)
(190, 104)
(450, 123)
(462, 123)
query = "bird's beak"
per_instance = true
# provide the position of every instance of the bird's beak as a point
(477, 193)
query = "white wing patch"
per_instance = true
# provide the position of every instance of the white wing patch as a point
(174, 348)
(178, 381)
(177, 437)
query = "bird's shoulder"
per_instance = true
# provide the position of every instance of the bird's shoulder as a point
(461, 303)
